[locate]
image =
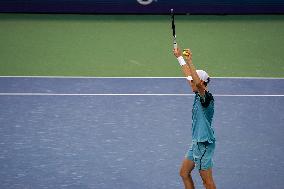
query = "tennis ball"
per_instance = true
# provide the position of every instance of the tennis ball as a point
(186, 53)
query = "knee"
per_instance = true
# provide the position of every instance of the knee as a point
(209, 185)
(184, 174)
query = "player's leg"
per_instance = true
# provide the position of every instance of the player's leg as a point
(205, 163)
(185, 173)
(207, 179)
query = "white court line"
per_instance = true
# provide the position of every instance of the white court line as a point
(126, 94)
(111, 94)
(88, 94)
(87, 77)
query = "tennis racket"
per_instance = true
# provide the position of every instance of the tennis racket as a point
(174, 29)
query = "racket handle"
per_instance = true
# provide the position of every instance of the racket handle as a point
(175, 43)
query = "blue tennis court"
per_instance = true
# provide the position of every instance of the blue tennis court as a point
(103, 133)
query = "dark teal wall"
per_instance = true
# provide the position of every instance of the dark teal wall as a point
(145, 6)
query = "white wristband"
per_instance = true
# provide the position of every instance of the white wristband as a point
(181, 61)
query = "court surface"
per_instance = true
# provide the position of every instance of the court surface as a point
(140, 45)
(103, 133)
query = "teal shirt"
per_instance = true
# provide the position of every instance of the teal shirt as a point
(202, 116)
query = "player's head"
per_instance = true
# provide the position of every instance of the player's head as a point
(204, 77)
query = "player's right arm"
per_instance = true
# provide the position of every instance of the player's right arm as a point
(184, 67)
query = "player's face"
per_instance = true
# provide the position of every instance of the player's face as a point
(193, 87)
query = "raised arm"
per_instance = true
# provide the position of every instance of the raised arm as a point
(184, 66)
(188, 58)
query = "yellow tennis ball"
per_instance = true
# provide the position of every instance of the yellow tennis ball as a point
(185, 53)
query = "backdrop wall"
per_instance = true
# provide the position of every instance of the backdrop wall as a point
(145, 6)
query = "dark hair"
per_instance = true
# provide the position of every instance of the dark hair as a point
(206, 83)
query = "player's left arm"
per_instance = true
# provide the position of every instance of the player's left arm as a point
(201, 88)
(184, 67)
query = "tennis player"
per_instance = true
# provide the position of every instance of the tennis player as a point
(202, 147)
